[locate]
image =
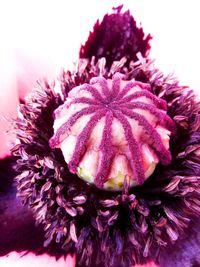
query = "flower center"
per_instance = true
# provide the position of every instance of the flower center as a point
(110, 130)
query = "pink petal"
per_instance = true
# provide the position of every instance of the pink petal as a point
(8, 99)
(31, 260)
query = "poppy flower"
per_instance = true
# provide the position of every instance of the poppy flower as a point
(116, 192)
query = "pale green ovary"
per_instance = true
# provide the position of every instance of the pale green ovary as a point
(112, 184)
(117, 182)
(85, 175)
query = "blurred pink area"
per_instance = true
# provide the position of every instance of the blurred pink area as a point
(151, 264)
(30, 260)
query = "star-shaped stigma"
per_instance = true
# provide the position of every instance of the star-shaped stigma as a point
(111, 129)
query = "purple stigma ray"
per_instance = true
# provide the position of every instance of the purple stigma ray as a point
(83, 139)
(162, 117)
(131, 85)
(125, 90)
(136, 161)
(79, 100)
(163, 154)
(160, 103)
(116, 85)
(84, 100)
(104, 85)
(107, 152)
(94, 92)
(61, 132)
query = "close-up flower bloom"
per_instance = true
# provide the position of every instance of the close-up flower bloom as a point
(104, 167)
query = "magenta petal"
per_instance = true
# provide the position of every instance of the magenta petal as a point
(117, 36)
